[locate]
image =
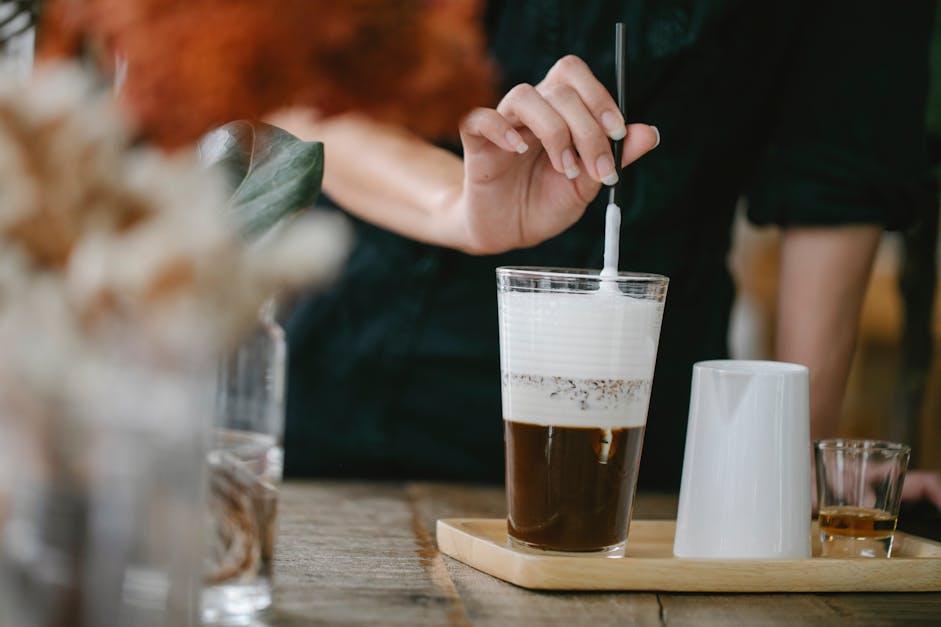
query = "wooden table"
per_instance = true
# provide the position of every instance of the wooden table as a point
(364, 553)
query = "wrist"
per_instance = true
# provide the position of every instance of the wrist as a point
(456, 227)
(448, 220)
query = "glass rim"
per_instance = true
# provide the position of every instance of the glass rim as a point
(751, 366)
(848, 444)
(580, 273)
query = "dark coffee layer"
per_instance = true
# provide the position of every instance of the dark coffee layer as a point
(567, 488)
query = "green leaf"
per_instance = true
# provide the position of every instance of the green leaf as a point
(273, 174)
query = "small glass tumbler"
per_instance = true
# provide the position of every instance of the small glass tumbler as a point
(245, 467)
(859, 487)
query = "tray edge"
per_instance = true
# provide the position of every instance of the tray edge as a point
(538, 572)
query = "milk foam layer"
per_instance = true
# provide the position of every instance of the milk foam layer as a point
(577, 359)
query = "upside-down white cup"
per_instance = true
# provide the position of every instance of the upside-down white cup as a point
(745, 491)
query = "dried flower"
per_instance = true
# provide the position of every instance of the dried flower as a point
(195, 64)
(122, 278)
(102, 243)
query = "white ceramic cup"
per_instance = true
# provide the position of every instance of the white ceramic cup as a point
(745, 491)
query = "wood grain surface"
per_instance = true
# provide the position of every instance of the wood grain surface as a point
(357, 553)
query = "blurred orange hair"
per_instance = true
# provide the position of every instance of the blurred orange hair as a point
(195, 64)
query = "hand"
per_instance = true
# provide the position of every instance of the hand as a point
(532, 165)
(922, 485)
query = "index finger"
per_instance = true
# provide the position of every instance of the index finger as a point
(572, 71)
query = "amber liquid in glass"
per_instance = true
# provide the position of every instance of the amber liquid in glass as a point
(857, 522)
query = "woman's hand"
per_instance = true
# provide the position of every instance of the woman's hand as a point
(530, 166)
(533, 164)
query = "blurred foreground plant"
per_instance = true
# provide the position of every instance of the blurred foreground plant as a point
(122, 277)
(100, 239)
(16, 17)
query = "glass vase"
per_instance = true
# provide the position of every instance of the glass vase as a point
(245, 468)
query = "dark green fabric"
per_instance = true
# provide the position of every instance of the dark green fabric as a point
(394, 372)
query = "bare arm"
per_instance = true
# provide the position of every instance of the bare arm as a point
(824, 273)
(386, 176)
(530, 166)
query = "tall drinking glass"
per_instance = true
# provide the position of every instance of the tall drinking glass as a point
(577, 356)
(245, 466)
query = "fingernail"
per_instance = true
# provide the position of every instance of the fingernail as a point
(613, 125)
(657, 133)
(568, 162)
(513, 138)
(606, 170)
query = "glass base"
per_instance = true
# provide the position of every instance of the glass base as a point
(615, 550)
(833, 545)
(235, 604)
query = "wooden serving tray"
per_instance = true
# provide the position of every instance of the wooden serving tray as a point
(915, 564)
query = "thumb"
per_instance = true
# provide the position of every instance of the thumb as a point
(640, 139)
